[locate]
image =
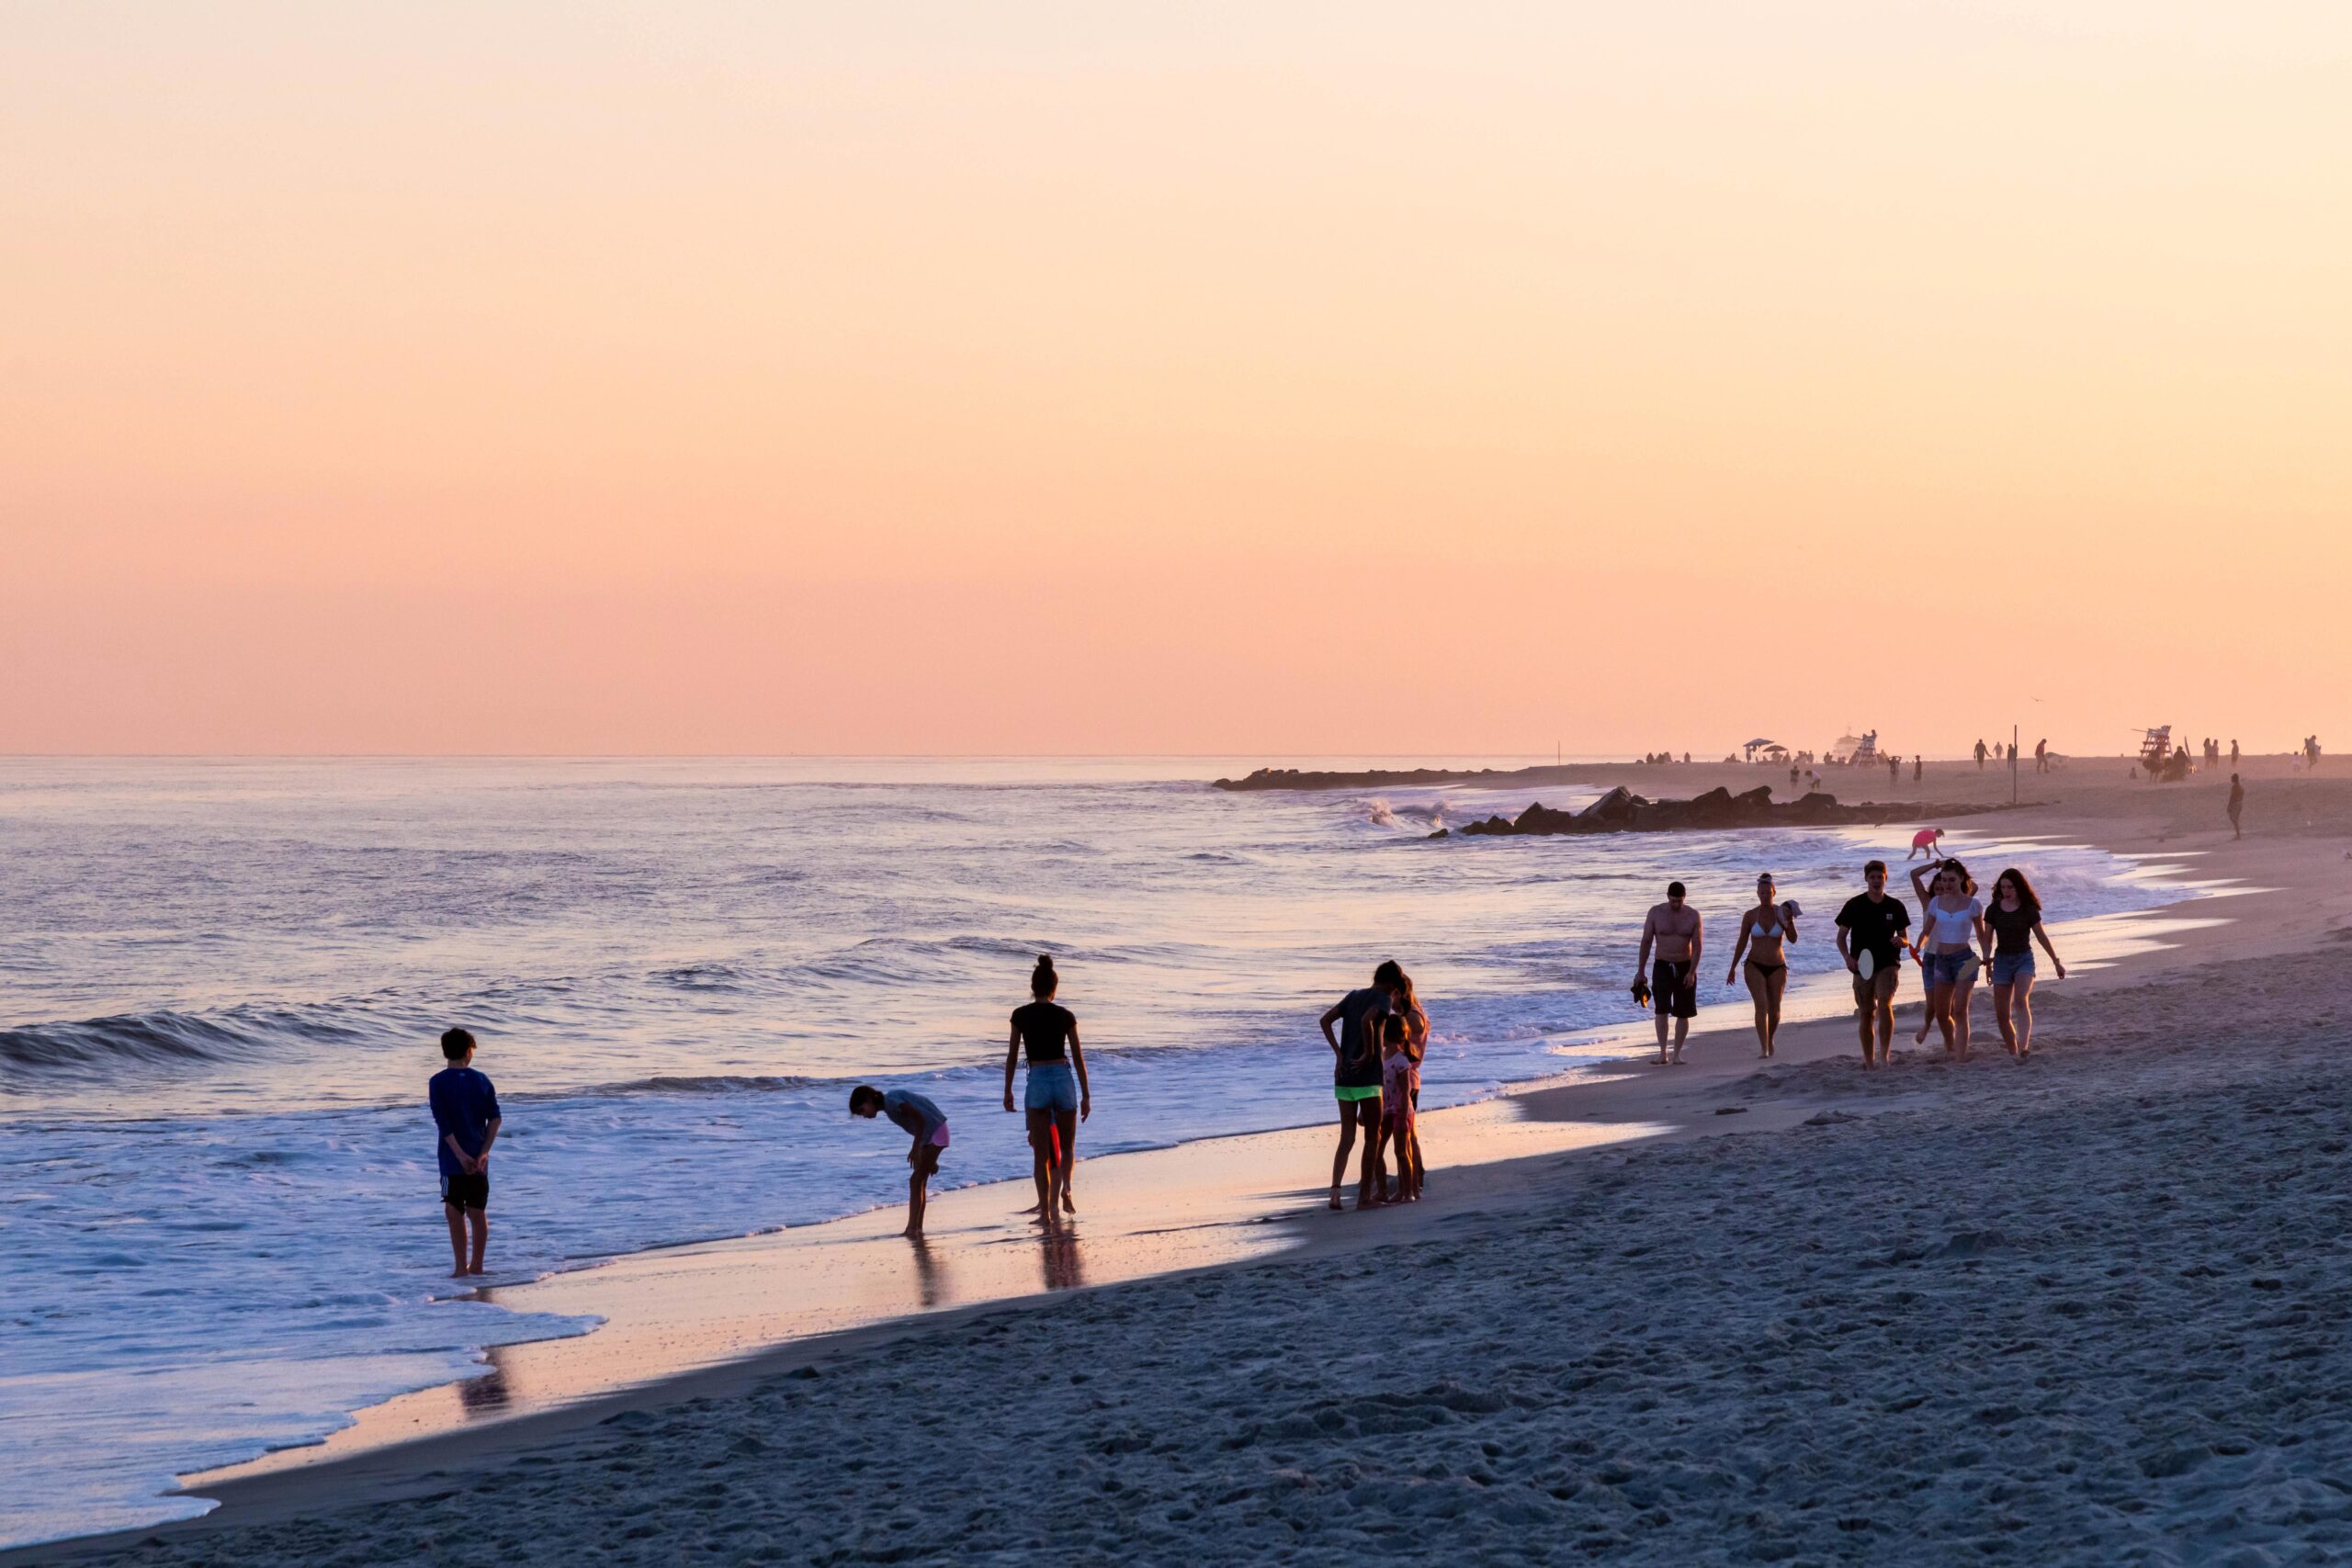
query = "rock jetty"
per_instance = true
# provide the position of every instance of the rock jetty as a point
(1622, 811)
(1404, 778)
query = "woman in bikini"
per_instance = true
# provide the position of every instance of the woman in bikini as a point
(1952, 932)
(2016, 919)
(1765, 931)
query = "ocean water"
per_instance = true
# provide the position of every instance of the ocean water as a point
(220, 986)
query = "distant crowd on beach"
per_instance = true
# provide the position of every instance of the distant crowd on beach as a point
(1379, 1034)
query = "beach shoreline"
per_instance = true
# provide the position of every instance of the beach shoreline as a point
(2303, 894)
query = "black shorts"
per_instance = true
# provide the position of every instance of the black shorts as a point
(1674, 988)
(463, 1192)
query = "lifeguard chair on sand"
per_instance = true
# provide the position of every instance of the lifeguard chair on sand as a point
(1859, 751)
(2155, 749)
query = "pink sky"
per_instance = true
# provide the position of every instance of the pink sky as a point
(1227, 379)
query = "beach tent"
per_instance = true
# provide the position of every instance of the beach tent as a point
(1759, 744)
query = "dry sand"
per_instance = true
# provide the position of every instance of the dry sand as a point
(2092, 1308)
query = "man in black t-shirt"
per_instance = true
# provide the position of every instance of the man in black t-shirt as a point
(1872, 926)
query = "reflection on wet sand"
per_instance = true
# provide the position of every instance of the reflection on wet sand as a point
(1057, 1250)
(490, 1393)
(933, 1288)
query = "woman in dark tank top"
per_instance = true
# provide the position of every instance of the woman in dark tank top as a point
(1056, 1098)
(2016, 921)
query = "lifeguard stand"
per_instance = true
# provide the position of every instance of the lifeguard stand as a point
(2155, 749)
(1860, 750)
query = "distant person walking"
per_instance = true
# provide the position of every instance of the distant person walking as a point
(2042, 756)
(1869, 939)
(1951, 931)
(915, 1114)
(2236, 808)
(2233, 754)
(1356, 1070)
(1765, 930)
(2016, 921)
(1893, 769)
(1980, 754)
(1056, 1098)
(1679, 937)
(1918, 766)
(465, 1116)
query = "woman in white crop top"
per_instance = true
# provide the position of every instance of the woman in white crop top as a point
(1952, 932)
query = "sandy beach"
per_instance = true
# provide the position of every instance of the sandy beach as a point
(2085, 1309)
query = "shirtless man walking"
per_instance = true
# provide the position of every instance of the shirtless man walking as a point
(1676, 930)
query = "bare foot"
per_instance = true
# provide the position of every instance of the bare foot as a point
(1336, 1204)
(1070, 1204)
(457, 1273)
(912, 1231)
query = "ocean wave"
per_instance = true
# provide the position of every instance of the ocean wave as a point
(1380, 813)
(168, 1039)
(702, 977)
(719, 1083)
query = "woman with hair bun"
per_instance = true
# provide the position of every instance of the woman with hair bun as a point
(1953, 932)
(1056, 1098)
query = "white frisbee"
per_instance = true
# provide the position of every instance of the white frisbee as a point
(1866, 965)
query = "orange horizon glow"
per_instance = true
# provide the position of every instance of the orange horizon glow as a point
(1215, 380)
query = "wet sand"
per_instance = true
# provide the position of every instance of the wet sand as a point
(690, 1308)
(2075, 1309)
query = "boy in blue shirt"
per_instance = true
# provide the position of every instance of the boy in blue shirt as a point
(914, 1114)
(464, 1113)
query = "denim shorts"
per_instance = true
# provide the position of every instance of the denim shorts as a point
(1053, 1086)
(1951, 968)
(2008, 967)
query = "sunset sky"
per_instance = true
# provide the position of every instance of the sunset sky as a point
(1251, 378)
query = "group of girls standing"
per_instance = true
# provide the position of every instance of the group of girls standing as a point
(1378, 1036)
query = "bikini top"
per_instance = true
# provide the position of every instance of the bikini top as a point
(1763, 932)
